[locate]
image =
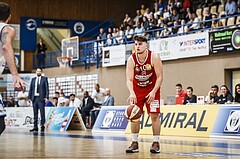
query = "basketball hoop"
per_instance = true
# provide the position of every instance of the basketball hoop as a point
(64, 61)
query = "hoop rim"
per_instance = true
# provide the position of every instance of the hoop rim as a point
(64, 58)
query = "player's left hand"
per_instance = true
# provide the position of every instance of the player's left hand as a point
(18, 82)
(150, 97)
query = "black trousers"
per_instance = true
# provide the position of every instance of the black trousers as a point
(2, 125)
(38, 104)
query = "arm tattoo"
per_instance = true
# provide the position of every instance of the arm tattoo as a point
(4, 38)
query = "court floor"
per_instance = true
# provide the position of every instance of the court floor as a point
(19, 143)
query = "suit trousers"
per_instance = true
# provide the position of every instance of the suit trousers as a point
(38, 104)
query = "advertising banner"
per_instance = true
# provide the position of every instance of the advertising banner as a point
(181, 46)
(227, 40)
(111, 118)
(21, 117)
(59, 118)
(194, 120)
(227, 122)
(114, 56)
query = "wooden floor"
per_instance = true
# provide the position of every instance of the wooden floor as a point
(19, 143)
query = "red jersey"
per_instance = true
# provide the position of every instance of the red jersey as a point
(144, 74)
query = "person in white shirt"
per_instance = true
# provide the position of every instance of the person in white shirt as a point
(62, 100)
(23, 98)
(98, 95)
(74, 101)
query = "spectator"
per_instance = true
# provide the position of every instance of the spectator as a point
(145, 23)
(22, 97)
(225, 97)
(41, 53)
(49, 104)
(183, 29)
(139, 29)
(98, 95)
(110, 30)
(180, 93)
(62, 100)
(138, 18)
(142, 10)
(109, 41)
(195, 22)
(147, 13)
(173, 17)
(127, 20)
(129, 33)
(230, 7)
(108, 101)
(175, 28)
(74, 101)
(187, 4)
(102, 35)
(212, 97)
(165, 32)
(191, 98)
(215, 23)
(57, 94)
(98, 44)
(152, 22)
(161, 6)
(87, 106)
(120, 35)
(11, 102)
(208, 16)
(55, 101)
(237, 93)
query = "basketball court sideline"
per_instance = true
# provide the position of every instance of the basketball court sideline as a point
(19, 143)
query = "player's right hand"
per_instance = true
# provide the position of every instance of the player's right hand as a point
(18, 82)
(132, 99)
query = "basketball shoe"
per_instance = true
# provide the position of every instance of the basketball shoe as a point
(155, 148)
(133, 148)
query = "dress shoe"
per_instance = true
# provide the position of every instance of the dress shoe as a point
(33, 130)
(42, 129)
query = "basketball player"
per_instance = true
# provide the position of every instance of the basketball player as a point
(144, 79)
(7, 35)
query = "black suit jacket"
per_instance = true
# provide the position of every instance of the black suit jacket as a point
(89, 105)
(43, 91)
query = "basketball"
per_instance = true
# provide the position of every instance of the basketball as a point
(133, 113)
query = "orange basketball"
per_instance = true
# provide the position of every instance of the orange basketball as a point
(133, 113)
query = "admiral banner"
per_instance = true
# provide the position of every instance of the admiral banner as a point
(181, 46)
(182, 120)
(114, 56)
(224, 41)
(228, 121)
(111, 118)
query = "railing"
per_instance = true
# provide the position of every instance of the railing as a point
(91, 51)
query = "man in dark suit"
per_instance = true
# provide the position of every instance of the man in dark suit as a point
(87, 106)
(39, 94)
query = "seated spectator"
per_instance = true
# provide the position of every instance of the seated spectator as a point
(109, 41)
(11, 102)
(183, 29)
(55, 101)
(139, 29)
(129, 33)
(74, 101)
(195, 22)
(138, 18)
(62, 100)
(175, 28)
(191, 98)
(102, 35)
(143, 9)
(237, 93)
(22, 97)
(145, 23)
(231, 7)
(147, 13)
(127, 20)
(187, 4)
(180, 93)
(152, 22)
(173, 17)
(120, 35)
(165, 32)
(49, 104)
(212, 97)
(108, 101)
(215, 23)
(208, 16)
(87, 106)
(225, 97)
(98, 95)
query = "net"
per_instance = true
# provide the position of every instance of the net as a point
(70, 48)
(64, 61)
